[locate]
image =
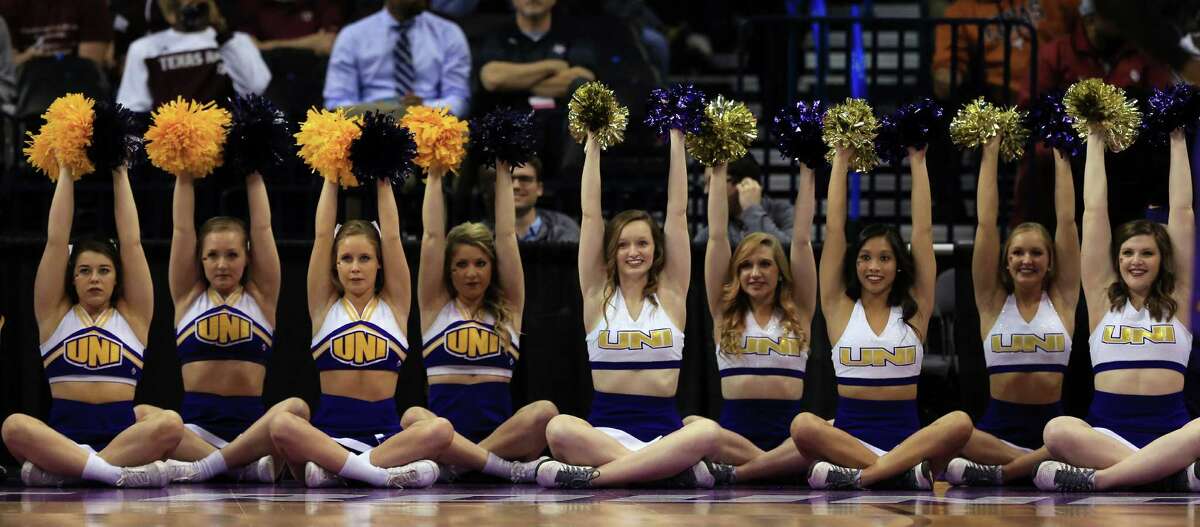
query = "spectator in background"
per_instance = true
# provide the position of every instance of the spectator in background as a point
(42, 28)
(535, 224)
(535, 64)
(1160, 28)
(197, 57)
(297, 24)
(749, 210)
(1050, 18)
(454, 8)
(400, 56)
(8, 73)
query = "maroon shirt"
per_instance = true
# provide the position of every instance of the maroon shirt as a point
(272, 20)
(1068, 59)
(60, 24)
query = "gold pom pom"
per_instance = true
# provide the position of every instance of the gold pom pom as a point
(324, 139)
(727, 130)
(852, 125)
(594, 108)
(1091, 101)
(187, 138)
(64, 138)
(440, 136)
(980, 121)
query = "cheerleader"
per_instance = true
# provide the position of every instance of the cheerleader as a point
(1136, 283)
(1025, 294)
(762, 309)
(471, 290)
(634, 279)
(877, 298)
(93, 304)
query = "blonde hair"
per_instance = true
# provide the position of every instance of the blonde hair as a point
(480, 236)
(735, 303)
(1029, 226)
(356, 228)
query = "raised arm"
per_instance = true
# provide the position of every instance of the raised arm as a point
(50, 300)
(1066, 234)
(677, 274)
(922, 238)
(985, 259)
(431, 286)
(397, 283)
(717, 252)
(591, 228)
(321, 292)
(1181, 223)
(833, 249)
(264, 256)
(1095, 269)
(509, 270)
(137, 302)
(804, 265)
(183, 270)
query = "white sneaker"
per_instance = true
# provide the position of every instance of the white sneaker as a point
(824, 475)
(34, 476)
(315, 477)
(558, 475)
(962, 471)
(182, 471)
(260, 471)
(415, 475)
(151, 475)
(526, 472)
(1193, 476)
(1059, 476)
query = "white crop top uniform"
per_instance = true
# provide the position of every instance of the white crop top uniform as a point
(1014, 345)
(764, 351)
(652, 342)
(458, 346)
(1130, 339)
(892, 358)
(348, 340)
(231, 328)
(82, 349)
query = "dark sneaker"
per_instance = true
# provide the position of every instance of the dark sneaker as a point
(824, 475)
(966, 472)
(1059, 476)
(555, 474)
(722, 474)
(919, 477)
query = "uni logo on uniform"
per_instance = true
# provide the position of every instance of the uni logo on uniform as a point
(93, 352)
(632, 340)
(223, 329)
(359, 348)
(786, 346)
(1024, 343)
(472, 342)
(1157, 334)
(902, 356)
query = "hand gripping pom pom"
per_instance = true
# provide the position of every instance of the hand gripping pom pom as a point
(852, 126)
(260, 138)
(441, 137)
(1172, 108)
(728, 129)
(594, 108)
(1053, 127)
(384, 151)
(324, 139)
(64, 138)
(680, 107)
(1092, 102)
(797, 131)
(910, 126)
(114, 137)
(505, 135)
(187, 138)
(980, 121)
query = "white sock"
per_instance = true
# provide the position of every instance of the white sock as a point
(359, 468)
(211, 466)
(97, 469)
(497, 467)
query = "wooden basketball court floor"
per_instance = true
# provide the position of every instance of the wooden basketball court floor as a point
(291, 505)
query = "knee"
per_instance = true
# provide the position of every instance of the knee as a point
(415, 414)
(283, 428)
(142, 412)
(168, 427)
(959, 426)
(437, 432)
(804, 427)
(707, 430)
(17, 431)
(560, 432)
(543, 410)
(1059, 433)
(691, 419)
(295, 406)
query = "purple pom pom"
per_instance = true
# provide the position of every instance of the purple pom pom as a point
(1175, 107)
(259, 139)
(797, 131)
(115, 136)
(1053, 127)
(384, 151)
(505, 135)
(910, 126)
(680, 107)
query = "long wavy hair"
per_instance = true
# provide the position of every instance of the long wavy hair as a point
(217, 224)
(1029, 226)
(1160, 303)
(612, 237)
(901, 292)
(480, 236)
(356, 228)
(103, 247)
(735, 303)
